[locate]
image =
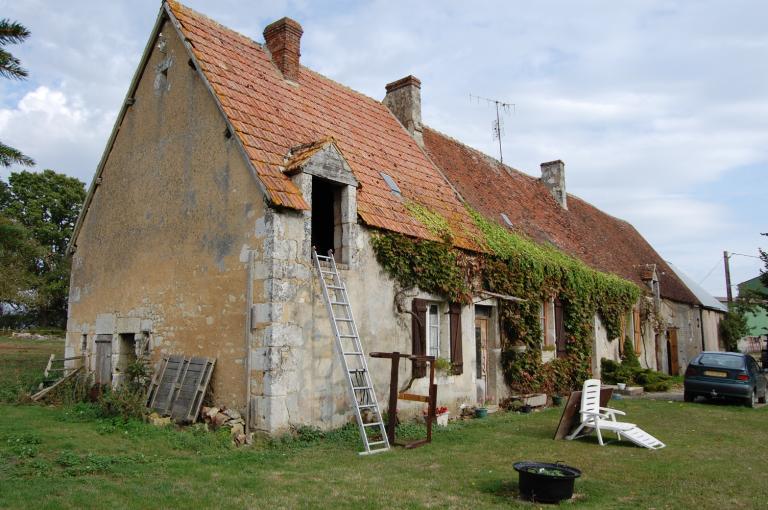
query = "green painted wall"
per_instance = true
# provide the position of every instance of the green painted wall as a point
(758, 322)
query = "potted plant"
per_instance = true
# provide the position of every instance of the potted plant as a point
(441, 416)
(443, 365)
(547, 353)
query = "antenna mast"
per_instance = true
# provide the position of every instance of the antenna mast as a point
(498, 124)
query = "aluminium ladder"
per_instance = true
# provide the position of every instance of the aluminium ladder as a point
(367, 412)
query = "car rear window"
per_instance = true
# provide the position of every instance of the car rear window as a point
(721, 360)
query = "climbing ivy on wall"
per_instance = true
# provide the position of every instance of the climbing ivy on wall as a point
(515, 266)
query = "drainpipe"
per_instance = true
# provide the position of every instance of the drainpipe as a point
(701, 325)
(248, 340)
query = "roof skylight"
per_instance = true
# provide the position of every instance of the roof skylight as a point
(391, 183)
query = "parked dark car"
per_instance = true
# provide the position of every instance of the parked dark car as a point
(725, 374)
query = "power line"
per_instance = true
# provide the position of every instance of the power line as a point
(710, 272)
(744, 255)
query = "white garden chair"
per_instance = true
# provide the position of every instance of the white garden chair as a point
(604, 419)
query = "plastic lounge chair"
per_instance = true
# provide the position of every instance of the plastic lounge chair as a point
(604, 419)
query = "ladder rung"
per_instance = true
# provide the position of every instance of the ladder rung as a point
(340, 303)
(366, 406)
(376, 442)
(347, 336)
(353, 353)
(335, 287)
(343, 319)
(360, 388)
(357, 370)
(374, 424)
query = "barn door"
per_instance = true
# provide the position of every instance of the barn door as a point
(674, 364)
(103, 359)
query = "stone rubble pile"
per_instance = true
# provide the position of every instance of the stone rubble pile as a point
(217, 417)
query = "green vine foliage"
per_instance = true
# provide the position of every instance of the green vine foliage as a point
(515, 266)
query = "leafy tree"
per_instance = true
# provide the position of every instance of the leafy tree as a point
(19, 254)
(733, 327)
(45, 205)
(12, 32)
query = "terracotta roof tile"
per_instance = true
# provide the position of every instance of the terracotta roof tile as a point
(271, 115)
(602, 241)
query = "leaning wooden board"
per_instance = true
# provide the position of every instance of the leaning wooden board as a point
(178, 388)
(570, 417)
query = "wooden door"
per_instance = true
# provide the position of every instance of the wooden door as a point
(103, 359)
(674, 364)
(481, 356)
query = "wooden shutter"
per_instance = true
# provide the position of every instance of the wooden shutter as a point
(419, 336)
(559, 329)
(457, 358)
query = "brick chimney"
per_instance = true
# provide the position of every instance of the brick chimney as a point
(283, 39)
(553, 177)
(404, 100)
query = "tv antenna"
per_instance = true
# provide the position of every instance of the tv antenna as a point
(498, 124)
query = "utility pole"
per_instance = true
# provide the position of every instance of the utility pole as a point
(728, 292)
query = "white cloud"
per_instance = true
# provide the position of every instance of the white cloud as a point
(58, 131)
(648, 103)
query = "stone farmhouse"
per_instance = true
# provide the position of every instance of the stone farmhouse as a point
(229, 161)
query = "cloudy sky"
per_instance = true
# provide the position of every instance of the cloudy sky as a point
(658, 108)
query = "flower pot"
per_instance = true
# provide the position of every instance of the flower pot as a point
(442, 419)
(519, 348)
(544, 482)
(481, 412)
(622, 386)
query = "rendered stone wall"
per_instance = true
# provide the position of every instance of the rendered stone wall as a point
(165, 244)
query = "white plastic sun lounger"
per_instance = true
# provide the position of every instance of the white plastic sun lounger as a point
(604, 419)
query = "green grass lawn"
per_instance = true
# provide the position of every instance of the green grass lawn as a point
(22, 363)
(53, 457)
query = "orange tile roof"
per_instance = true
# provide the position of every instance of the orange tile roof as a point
(271, 115)
(585, 232)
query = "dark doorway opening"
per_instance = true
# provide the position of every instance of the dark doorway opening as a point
(326, 221)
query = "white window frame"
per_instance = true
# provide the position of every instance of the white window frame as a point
(433, 350)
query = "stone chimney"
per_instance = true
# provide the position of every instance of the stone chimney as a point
(404, 100)
(283, 39)
(553, 177)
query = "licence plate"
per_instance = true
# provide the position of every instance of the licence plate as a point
(715, 373)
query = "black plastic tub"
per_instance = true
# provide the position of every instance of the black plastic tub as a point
(545, 482)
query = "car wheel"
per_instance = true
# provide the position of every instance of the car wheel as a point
(751, 401)
(688, 396)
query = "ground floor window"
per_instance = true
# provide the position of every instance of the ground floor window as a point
(433, 330)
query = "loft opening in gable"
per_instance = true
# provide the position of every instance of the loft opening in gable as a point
(326, 217)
